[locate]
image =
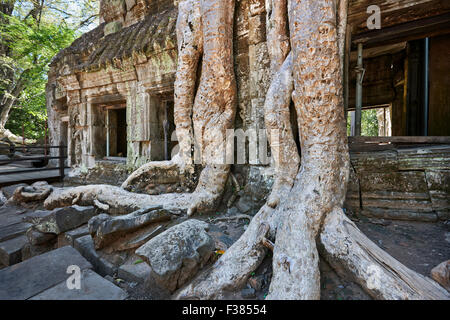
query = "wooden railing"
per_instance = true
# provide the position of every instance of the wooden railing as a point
(35, 158)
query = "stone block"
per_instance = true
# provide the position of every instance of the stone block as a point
(93, 287)
(85, 245)
(134, 272)
(31, 277)
(65, 219)
(176, 255)
(11, 250)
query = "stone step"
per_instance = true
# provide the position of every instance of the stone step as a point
(31, 277)
(11, 250)
(93, 287)
(85, 246)
(14, 230)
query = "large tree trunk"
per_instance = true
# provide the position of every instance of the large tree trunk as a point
(203, 27)
(314, 206)
(278, 101)
(215, 104)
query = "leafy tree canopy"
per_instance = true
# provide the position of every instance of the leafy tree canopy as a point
(31, 33)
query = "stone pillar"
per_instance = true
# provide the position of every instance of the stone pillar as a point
(259, 62)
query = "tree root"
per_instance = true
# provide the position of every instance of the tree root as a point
(5, 133)
(341, 244)
(118, 200)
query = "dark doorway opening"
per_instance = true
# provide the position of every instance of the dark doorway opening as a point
(117, 132)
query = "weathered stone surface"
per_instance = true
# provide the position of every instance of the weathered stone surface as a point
(14, 230)
(106, 229)
(11, 250)
(69, 237)
(9, 190)
(141, 238)
(37, 274)
(441, 274)
(93, 287)
(35, 217)
(37, 238)
(85, 245)
(65, 219)
(29, 251)
(177, 254)
(37, 192)
(134, 272)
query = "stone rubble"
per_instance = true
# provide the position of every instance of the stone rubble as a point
(176, 255)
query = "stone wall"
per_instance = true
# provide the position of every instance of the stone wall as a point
(401, 183)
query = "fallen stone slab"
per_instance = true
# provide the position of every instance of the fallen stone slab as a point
(441, 274)
(106, 229)
(64, 219)
(29, 278)
(176, 255)
(11, 250)
(85, 245)
(14, 230)
(134, 272)
(93, 287)
(68, 238)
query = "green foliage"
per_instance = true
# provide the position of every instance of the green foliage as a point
(369, 123)
(32, 40)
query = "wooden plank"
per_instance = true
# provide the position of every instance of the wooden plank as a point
(394, 12)
(411, 30)
(404, 139)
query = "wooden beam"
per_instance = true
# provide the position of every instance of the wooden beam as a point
(418, 29)
(400, 140)
(394, 12)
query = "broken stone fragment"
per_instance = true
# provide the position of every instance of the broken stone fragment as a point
(36, 192)
(441, 274)
(63, 219)
(176, 255)
(134, 272)
(36, 237)
(85, 246)
(11, 250)
(106, 229)
(9, 190)
(68, 238)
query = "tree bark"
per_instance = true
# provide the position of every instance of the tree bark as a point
(204, 28)
(118, 200)
(314, 206)
(278, 101)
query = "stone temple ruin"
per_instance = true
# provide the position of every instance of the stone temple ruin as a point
(111, 99)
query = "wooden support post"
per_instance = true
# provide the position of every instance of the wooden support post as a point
(348, 47)
(61, 160)
(46, 139)
(107, 133)
(359, 85)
